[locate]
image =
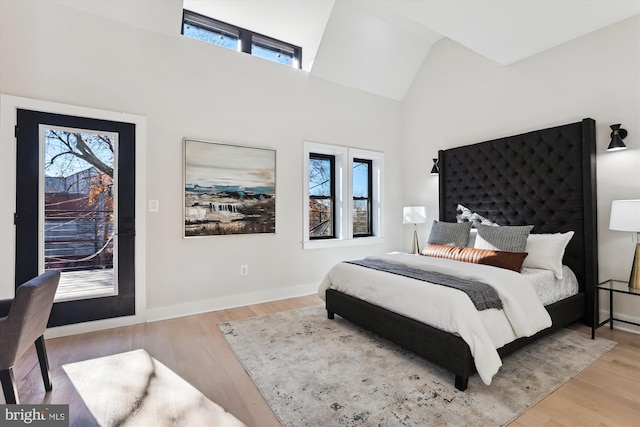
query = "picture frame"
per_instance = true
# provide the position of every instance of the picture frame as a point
(228, 189)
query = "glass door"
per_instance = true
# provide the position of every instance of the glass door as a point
(77, 200)
(75, 212)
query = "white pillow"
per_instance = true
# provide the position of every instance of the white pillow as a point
(472, 238)
(546, 251)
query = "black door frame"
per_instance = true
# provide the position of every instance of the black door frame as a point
(27, 184)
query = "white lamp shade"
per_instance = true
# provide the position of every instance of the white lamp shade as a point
(625, 215)
(414, 215)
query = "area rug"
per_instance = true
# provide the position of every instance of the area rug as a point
(134, 389)
(318, 372)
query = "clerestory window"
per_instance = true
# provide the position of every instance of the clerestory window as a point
(220, 33)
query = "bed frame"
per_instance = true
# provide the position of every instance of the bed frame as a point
(546, 178)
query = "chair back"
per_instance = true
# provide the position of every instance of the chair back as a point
(28, 316)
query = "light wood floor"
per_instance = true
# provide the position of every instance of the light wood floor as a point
(605, 394)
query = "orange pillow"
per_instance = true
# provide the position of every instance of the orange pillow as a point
(509, 260)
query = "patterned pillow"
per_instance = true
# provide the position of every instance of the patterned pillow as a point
(450, 233)
(503, 238)
(474, 218)
(509, 260)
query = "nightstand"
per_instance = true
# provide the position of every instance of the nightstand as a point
(611, 286)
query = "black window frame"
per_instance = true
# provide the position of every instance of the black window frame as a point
(369, 197)
(331, 197)
(246, 37)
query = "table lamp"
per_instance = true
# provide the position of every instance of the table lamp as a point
(414, 215)
(625, 216)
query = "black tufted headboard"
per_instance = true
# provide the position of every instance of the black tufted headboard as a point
(546, 178)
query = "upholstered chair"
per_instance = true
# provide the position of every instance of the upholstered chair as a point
(23, 321)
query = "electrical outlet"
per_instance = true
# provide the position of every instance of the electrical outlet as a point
(154, 205)
(244, 269)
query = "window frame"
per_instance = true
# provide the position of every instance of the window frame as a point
(344, 158)
(369, 197)
(245, 37)
(332, 192)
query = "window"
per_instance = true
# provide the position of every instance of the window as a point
(321, 196)
(343, 196)
(275, 51)
(361, 197)
(201, 28)
(232, 37)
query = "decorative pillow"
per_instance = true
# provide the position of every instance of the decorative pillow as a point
(503, 238)
(472, 238)
(464, 214)
(449, 233)
(474, 218)
(546, 251)
(509, 260)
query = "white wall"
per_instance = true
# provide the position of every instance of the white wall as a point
(187, 88)
(460, 97)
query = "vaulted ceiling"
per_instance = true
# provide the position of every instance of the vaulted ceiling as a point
(379, 45)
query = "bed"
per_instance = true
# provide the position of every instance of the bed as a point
(545, 178)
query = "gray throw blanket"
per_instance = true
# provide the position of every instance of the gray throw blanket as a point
(482, 295)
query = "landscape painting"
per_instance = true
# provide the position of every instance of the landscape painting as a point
(228, 189)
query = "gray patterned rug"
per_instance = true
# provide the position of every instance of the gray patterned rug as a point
(318, 372)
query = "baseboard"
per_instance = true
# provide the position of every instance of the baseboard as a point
(604, 314)
(96, 325)
(187, 309)
(231, 301)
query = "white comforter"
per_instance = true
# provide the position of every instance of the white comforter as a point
(446, 308)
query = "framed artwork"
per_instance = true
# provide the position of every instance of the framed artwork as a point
(228, 189)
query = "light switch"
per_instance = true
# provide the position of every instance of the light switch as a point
(154, 205)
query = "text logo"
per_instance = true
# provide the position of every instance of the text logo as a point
(34, 415)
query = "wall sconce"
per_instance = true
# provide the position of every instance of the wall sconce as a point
(435, 170)
(617, 135)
